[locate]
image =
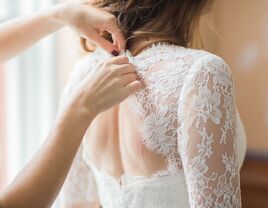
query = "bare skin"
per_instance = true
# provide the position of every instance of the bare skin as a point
(40, 181)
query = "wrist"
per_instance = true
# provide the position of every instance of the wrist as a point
(84, 113)
(86, 101)
(78, 110)
(70, 127)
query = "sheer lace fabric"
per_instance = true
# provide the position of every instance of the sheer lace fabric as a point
(187, 115)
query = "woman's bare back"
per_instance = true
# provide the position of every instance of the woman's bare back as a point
(114, 144)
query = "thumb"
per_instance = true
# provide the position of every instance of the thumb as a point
(117, 36)
(102, 42)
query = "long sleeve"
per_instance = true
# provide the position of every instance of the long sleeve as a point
(207, 140)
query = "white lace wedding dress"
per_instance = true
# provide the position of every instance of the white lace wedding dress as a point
(188, 115)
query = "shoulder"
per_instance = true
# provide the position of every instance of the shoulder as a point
(209, 75)
(209, 70)
(209, 63)
(198, 60)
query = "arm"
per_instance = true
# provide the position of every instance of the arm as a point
(207, 136)
(39, 182)
(21, 33)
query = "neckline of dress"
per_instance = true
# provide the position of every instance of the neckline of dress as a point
(155, 48)
(160, 51)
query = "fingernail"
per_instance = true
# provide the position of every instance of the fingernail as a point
(115, 53)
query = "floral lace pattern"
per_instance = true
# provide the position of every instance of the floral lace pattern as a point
(156, 104)
(80, 185)
(189, 117)
(208, 140)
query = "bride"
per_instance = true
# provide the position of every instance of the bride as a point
(177, 143)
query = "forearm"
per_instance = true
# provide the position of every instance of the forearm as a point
(41, 180)
(19, 34)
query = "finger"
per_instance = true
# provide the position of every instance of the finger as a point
(126, 69)
(117, 36)
(115, 42)
(128, 78)
(119, 60)
(102, 42)
(133, 87)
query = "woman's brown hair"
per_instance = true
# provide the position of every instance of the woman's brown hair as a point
(172, 21)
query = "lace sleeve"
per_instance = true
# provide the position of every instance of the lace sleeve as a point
(207, 135)
(79, 187)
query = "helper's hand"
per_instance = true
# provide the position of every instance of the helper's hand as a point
(106, 86)
(21, 33)
(89, 22)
